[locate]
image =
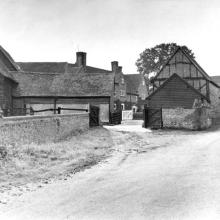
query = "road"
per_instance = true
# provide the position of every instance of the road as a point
(149, 176)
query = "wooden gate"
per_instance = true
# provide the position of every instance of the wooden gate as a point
(127, 115)
(153, 118)
(115, 117)
(93, 116)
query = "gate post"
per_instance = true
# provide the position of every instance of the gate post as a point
(58, 110)
(145, 114)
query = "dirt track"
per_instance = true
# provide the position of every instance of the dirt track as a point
(159, 175)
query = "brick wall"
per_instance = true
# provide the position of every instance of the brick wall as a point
(193, 119)
(40, 129)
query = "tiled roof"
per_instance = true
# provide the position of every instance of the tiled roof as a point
(5, 72)
(133, 82)
(43, 67)
(6, 64)
(9, 58)
(33, 84)
(56, 67)
(77, 83)
(83, 84)
(90, 69)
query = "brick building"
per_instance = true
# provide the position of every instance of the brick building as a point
(136, 91)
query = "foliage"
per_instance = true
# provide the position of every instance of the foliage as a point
(152, 59)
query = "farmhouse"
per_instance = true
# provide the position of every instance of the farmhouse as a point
(45, 85)
(181, 82)
(136, 91)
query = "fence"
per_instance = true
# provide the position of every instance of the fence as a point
(30, 111)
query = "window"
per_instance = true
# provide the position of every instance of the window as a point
(115, 107)
(134, 108)
(122, 80)
(143, 83)
(122, 92)
(122, 106)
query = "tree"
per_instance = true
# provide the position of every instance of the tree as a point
(152, 59)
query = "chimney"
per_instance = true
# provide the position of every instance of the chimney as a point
(81, 59)
(114, 66)
(120, 69)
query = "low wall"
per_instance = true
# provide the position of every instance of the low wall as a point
(193, 119)
(41, 129)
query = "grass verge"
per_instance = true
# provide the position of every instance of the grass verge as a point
(20, 165)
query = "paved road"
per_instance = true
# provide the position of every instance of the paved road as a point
(174, 181)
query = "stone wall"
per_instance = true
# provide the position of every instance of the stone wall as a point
(40, 129)
(193, 119)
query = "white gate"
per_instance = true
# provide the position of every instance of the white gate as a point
(127, 115)
(104, 112)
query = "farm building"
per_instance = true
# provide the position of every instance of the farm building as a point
(46, 85)
(180, 82)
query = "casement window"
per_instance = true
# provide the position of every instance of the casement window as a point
(122, 80)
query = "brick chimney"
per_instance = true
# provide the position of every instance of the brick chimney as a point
(81, 59)
(114, 66)
(120, 69)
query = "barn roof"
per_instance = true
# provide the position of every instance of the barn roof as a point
(193, 62)
(56, 67)
(132, 83)
(75, 84)
(83, 84)
(9, 58)
(170, 79)
(5, 60)
(44, 67)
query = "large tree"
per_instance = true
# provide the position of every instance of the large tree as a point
(152, 59)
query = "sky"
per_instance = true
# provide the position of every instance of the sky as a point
(109, 30)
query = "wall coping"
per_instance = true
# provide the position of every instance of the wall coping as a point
(31, 117)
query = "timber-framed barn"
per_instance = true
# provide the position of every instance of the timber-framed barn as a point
(180, 81)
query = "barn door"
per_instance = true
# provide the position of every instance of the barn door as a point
(153, 118)
(93, 116)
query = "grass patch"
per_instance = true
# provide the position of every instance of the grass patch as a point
(24, 164)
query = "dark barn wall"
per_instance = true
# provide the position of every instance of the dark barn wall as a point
(5, 92)
(174, 94)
